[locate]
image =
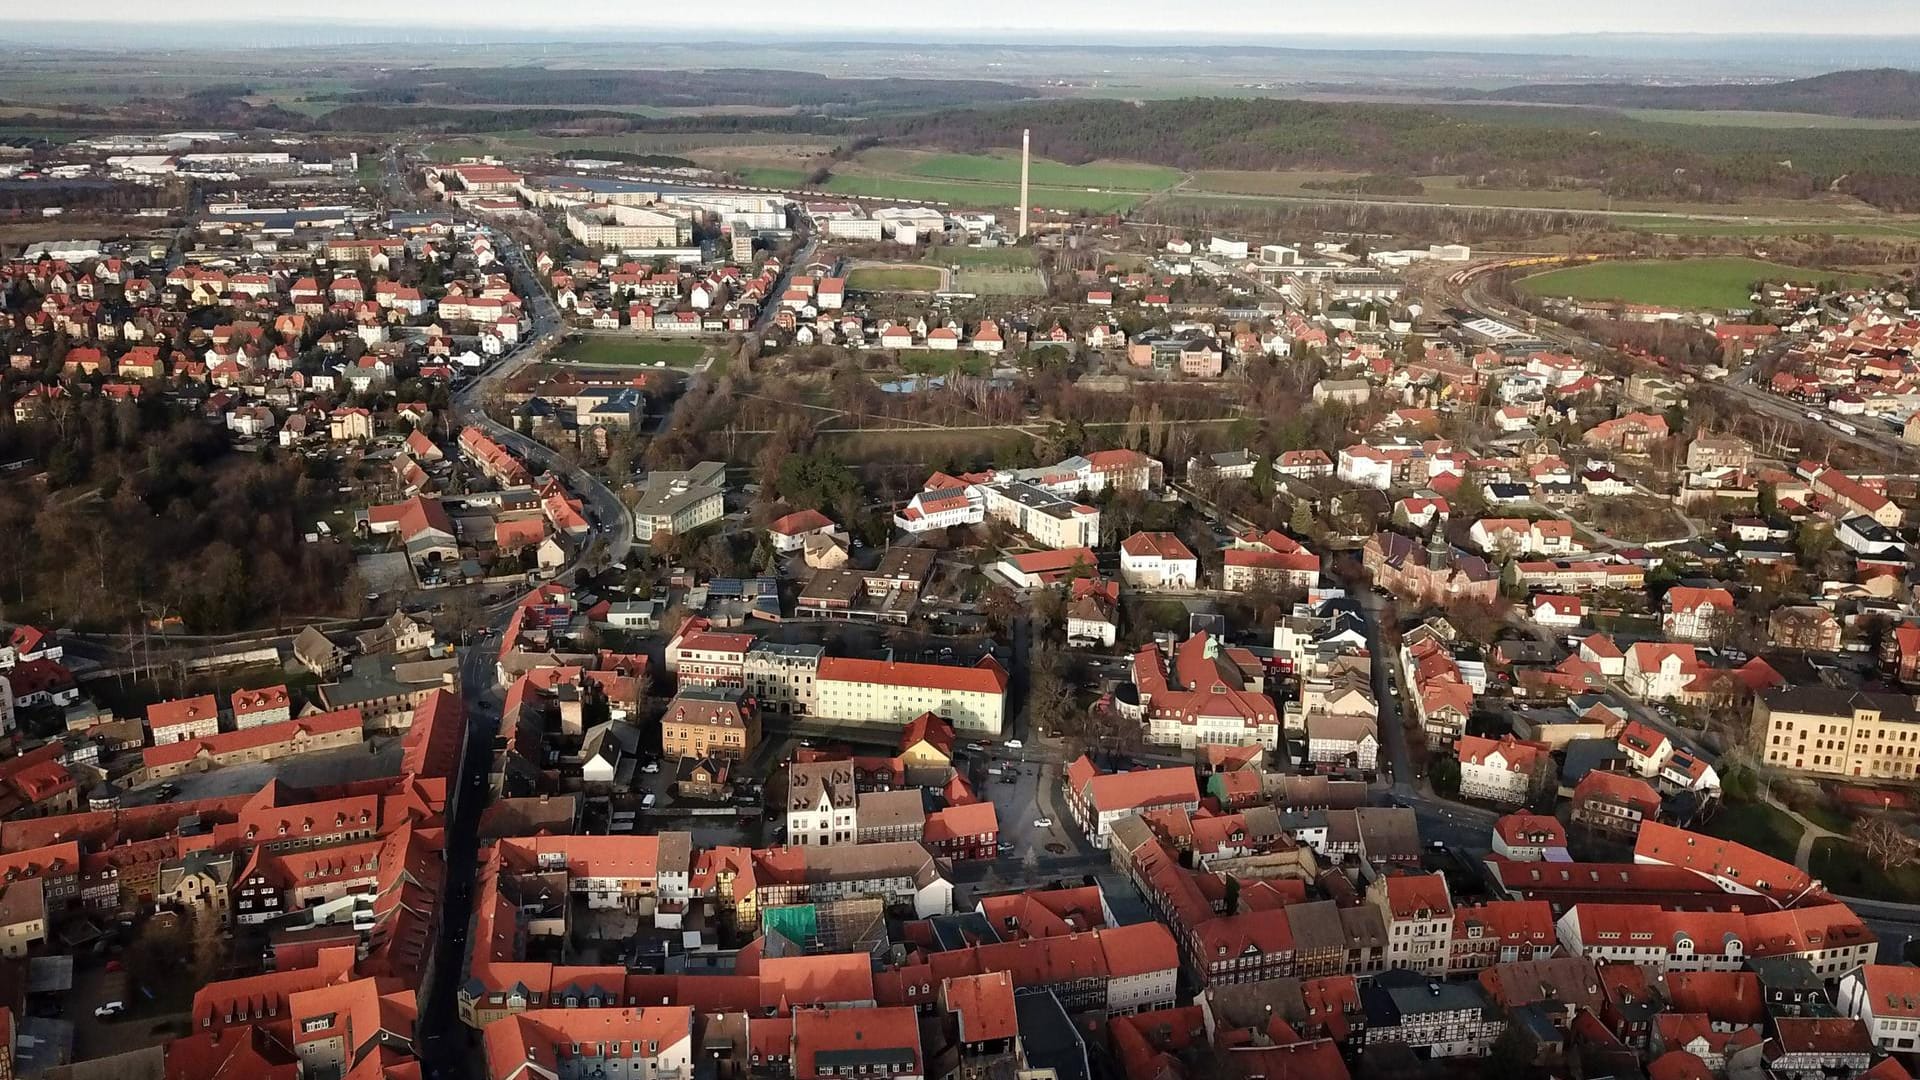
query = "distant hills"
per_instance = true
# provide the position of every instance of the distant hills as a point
(1876, 93)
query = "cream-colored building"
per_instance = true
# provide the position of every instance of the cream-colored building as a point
(609, 225)
(972, 699)
(676, 503)
(1051, 519)
(1822, 731)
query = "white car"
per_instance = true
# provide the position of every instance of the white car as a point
(650, 767)
(109, 1010)
(1043, 823)
(1014, 744)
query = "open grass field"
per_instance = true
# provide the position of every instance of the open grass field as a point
(968, 258)
(1683, 227)
(1758, 826)
(1760, 119)
(774, 178)
(1004, 168)
(1000, 281)
(961, 193)
(1846, 870)
(1718, 284)
(928, 362)
(895, 279)
(927, 447)
(631, 352)
(1454, 190)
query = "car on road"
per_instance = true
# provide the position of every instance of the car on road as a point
(1015, 744)
(1043, 823)
(647, 800)
(109, 1010)
(1006, 847)
(650, 767)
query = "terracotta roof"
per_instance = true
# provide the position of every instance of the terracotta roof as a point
(987, 677)
(167, 714)
(1408, 895)
(263, 735)
(983, 1006)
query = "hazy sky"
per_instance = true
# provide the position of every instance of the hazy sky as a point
(1208, 18)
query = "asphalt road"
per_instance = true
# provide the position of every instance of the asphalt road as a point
(1393, 737)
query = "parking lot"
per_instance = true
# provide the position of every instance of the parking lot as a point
(378, 757)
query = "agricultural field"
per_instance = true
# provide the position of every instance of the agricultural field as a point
(964, 194)
(1696, 227)
(774, 178)
(631, 352)
(1717, 284)
(1004, 168)
(896, 279)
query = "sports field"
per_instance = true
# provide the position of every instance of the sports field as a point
(631, 352)
(1000, 281)
(970, 257)
(894, 279)
(1716, 284)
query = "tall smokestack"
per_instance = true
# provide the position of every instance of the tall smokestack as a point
(1026, 168)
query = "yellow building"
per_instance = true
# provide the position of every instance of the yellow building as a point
(709, 721)
(1822, 731)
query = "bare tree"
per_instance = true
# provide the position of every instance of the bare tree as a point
(1884, 843)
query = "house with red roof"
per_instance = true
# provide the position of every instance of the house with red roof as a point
(1614, 802)
(1158, 560)
(543, 1044)
(1696, 614)
(1418, 912)
(1506, 770)
(183, 718)
(1097, 799)
(790, 533)
(1204, 691)
(1530, 838)
(267, 742)
(266, 705)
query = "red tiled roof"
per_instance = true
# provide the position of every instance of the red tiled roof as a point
(167, 714)
(983, 1006)
(986, 677)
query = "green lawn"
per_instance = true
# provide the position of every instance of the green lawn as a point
(971, 257)
(945, 363)
(1718, 284)
(989, 282)
(1847, 871)
(1758, 826)
(894, 279)
(1004, 168)
(961, 193)
(757, 176)
(631, 352)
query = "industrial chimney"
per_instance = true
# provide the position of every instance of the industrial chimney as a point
(1026, 169)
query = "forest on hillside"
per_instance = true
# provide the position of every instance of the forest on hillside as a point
(1527, 151)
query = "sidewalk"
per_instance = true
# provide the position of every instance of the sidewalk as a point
(1813, 833)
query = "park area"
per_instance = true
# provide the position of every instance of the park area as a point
(880, 279)
(611, 351)
(1708, 284)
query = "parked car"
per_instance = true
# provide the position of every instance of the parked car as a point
(1015, 744)
(650, 767)
(647, 800)
(1042, 823)
(110, 1010)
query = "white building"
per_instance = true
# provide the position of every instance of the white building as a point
(1885, 997)
(1158, 561)
(972, 699)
